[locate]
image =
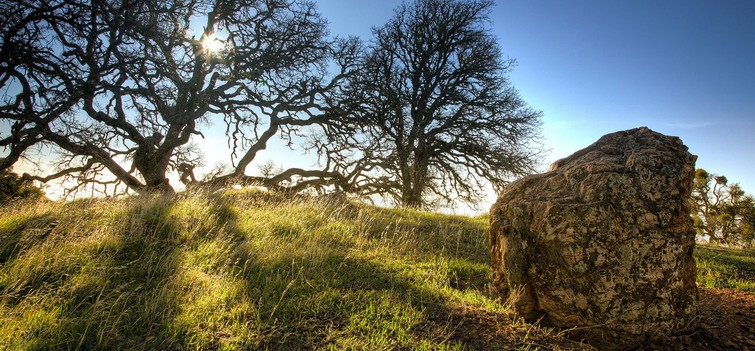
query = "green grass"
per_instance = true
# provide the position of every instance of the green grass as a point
(249, 270)
(725, 268)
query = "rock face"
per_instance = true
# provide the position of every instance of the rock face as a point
(603, 241)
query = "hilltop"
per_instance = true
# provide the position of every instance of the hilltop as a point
(249, 270)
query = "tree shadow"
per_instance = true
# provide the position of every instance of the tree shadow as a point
(105, 290)
(341, 299)
(451, 235)
(21, 235)
(741, 259)
(347, 303)
(133, 287)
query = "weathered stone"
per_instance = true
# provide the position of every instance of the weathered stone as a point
(603, 241)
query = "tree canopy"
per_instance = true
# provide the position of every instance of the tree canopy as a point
(121, 88)
(431, 114)
(120, 91)
(721, 211)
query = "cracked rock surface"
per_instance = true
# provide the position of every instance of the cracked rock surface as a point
(603, 241)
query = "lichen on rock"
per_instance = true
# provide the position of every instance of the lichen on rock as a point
(603, 241)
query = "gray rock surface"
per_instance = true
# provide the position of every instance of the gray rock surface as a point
(603, 241)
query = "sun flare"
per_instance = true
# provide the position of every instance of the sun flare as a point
(211, 44)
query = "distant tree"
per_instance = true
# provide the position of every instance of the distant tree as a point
(747, 224)
(432, 114)
(705, 204)
(737, 217)
(722, 211)
(121, 88)
(14, 187)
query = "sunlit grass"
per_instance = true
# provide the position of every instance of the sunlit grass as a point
(725, 268)
(249, 270)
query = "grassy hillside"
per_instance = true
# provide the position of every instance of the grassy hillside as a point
(246, 270)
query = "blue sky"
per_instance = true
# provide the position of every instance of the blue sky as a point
(682, 68)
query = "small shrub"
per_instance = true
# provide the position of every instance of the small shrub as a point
(14, 187)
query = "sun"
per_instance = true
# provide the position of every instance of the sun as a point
(211, 44)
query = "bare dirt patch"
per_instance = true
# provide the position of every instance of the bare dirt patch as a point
(726, 322)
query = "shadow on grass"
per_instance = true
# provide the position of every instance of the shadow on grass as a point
(433, 234)
(206, 278)
(725, 268)
(742, 260)
(97, 288)
(331, 294)
(22, 234)
(340, 302)
(126, 302)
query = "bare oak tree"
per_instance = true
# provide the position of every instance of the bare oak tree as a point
(121, 88)
(432, 114)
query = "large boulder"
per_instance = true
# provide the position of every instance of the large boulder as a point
(603, 241)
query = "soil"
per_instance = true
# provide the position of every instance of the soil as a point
(726, 322)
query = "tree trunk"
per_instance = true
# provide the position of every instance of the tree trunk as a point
(153, 167)
(412, 195)
(413, 198)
